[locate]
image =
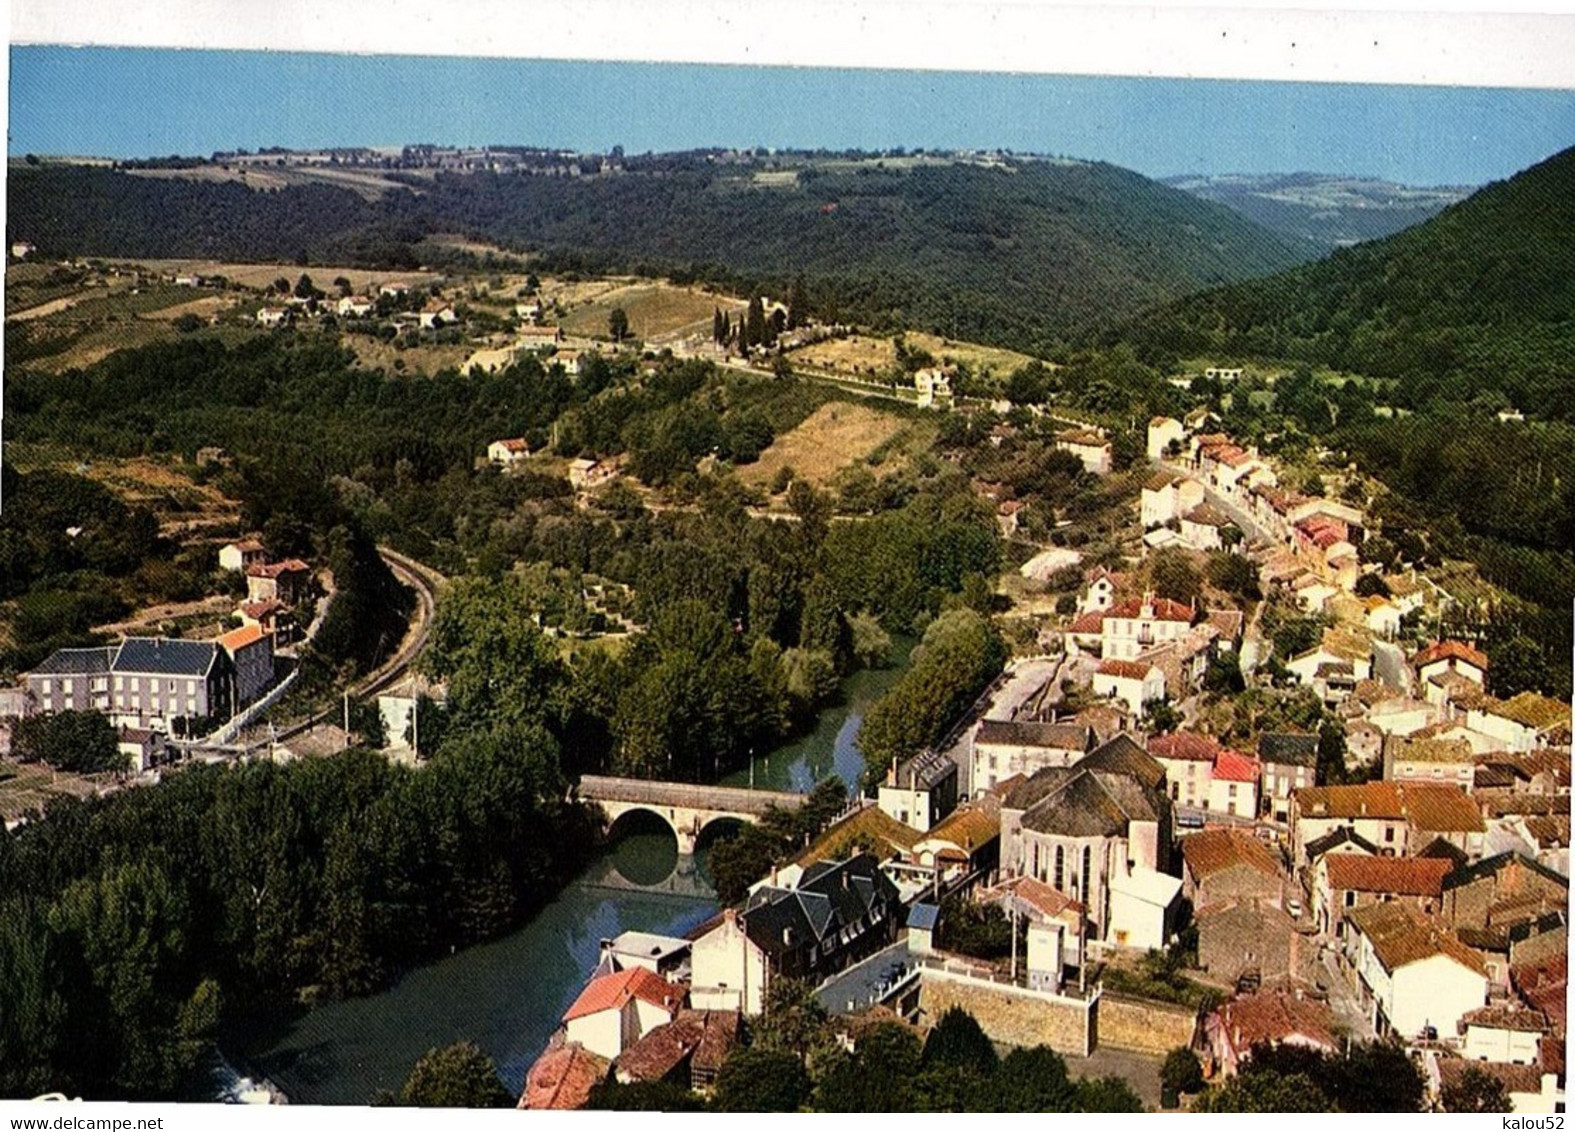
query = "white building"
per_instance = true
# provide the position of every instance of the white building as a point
(1131, 682)
(1135, 626)
(616, 1010)
(1420, 981)
(1162, 433)
(508, 453)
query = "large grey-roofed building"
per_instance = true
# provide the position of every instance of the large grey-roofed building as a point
(142, 682)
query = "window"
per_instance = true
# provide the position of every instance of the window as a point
(1389, 833)
(1088, 856)
(120, 682)
(1060, 868)
(136, 683)
(1175, 791)
(48, 686)
(1231, 791)
(1350, 898)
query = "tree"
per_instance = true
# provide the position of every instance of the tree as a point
(1371, 585)
(1234, 574)
(761, 1080)
(618, 324)
(1174, 576)
(1264, 1092)
(456, 1076)
(1180, 1073)
(1033, 1080)
(1162, 716)
(305, 288)
(1223, 676)
(643, 1096)
(1476, 1091)
(957, 1040)
(81, 742)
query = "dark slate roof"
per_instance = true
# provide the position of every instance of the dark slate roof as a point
(162, 657)
(1489, 866)
(75, 662)
(1320, 845)
(1092, 803)
(925, 770)
(1287, 749)
(1448, 850)
(1125, 755)
(924, 917)
(830, 895)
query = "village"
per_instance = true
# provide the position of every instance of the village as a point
(1412, 888)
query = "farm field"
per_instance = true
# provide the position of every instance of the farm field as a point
(261, 275)
(655, 310)
(25, 787)
(836, 436)
(866, 356)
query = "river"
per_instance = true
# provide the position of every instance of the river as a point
(507, 995)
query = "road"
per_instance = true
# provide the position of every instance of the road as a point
(1249, 526)
(1343, 1003)
(1390, 666)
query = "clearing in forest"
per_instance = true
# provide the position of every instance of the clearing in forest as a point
(835, 436)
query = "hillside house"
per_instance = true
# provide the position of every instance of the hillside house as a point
(1167, 497)
(1133, 683)
(272, 615)
(1531, 1090)
(1435, 761)
(1099, 594)
(355, 306)
(1163, 433)
(1508, 1033)
(143, 747)
(934, 386)
(1233, 788)
(1443, 665)
(586, 474)
(1522, 723)
(250, 650)
(1396, 819)
(237, 556)
(1205, 527)
(437, 314)
(143, 682)
(1382, 617)
(1131, 627)
(1505, 889)
(508, 453)
(289, 581)
(688, 1051)
(1188, 759)
(1088, 446)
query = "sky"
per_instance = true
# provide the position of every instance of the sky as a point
(141, 102)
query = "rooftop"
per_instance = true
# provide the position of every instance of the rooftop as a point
(611, 992)
(1233, 766)
(240, 638)
(1157, 609)
(1273, 1017)
(1399, 876)
(1024, 733)
(1125, 669)
(1451, 650)
(1215, 850)
(161, 656)
(1184, 745)
(1400, 936)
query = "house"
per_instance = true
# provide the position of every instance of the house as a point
(687, 1052)
(1338, 649)
(508, 453)
(1166, 497)
(1437, 761)
(72, 680)
(141, 682)
(396, 290)
(1100, 594)
(1268, 1018)
(1290, 763)
(1205, 527)
(1449, 658)
(354, 306)
(966, 843)
(538, 337)
(1233, 788)
(585, 473)
(1098, 831)
(1133, 683)
(617, 1009)
(563, 1076)
(1003, 748)
(288, 581)
(922, 922)
(273, 316)
(1507, 1032)
(1223, 374)
(1416, 980)
(570, 360)
(1521, 723)
(921, 791)
(1545, 838)
(1188, 759)
(1088, 446)
(1343, 882)
(663, 955)
(1132, 627)
(1396, 818)
(1224, 865)
(1163, 433)
(250, 650)
(1055, 929)
(865, 830)
(143, 748)
(837, 914)
(934, 386)
(1531, 1091)
(238, 556)
(1382, 617)
(271, 615)
(437, 314)
(1252, 939)
(1503, 889)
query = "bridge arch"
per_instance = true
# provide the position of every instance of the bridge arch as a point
(689, 809)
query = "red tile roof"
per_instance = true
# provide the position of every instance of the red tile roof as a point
(1274, 1017)
(1089, 624)
(1215, 850)
(1124, 669)
(1400, 876)
(1515, 1078)
(240, 638)
(563, 1078)
(1184, 745)
(1050, 902)
(611, 992)
(1233, 766)
(275, 569)
(1451, 650)
(1163, 610)
(1437, 809)
(1400, 936)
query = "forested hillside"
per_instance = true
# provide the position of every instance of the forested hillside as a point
(1474, 305)
(1018, 253)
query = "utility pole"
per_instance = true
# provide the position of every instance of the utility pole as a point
(347, 717)
(1014, 939)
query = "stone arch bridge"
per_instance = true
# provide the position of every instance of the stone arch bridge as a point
(687, 808)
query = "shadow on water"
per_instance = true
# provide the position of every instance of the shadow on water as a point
(506, 996)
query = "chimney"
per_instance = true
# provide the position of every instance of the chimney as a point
(891, 775)
(729, 916)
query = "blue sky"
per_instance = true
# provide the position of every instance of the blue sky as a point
(131, 102)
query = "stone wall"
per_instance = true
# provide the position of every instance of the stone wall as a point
(1143, 1024)
(1012, 1015)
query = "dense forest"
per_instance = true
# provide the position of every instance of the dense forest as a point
(1021, 254)
(128, 923)
(1473, 306)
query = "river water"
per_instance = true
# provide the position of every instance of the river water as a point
(508, 995)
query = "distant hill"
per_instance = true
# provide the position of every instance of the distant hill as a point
(1015, 252)
(1478, 302)
(1327, 210)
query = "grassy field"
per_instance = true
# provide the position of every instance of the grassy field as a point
(262, 275)
(372, 353)
(25, 787)
(837, 436)
(166, 489)
(866, 356)
(655, 310)
(368, 183)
